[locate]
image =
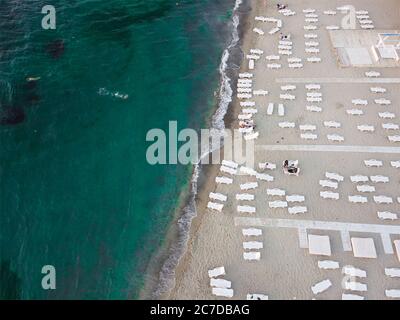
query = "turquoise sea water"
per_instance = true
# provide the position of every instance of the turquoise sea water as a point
(76, 191)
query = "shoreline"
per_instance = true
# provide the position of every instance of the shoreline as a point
(161, 278)
(210, 172)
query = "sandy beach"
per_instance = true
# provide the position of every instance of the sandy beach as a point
(286, 269)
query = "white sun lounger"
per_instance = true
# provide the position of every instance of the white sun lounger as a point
(244, 96)
(286, 124)
(216, 272)
(270, 109)
(256, 51)
(394, 138)
(314, 94)
(284, 47)
(314, 108)
(228, 170)
(329, 195)
(362, 12)
(248, 171)
(295, 65)
(335, 137)
(365, 188)
(330, 12)
(383, 199)
(366, 21)
(334, 176)
(332, 124)
(393, 293)
(281, 110)
(355, 112)
(332, 27)
(377, 90)
(261, 18)
(386, 115)
(276, 192)
(260, 92)
(229, 163)
(264, 177)
(245, 75)
(251, 136)
(311, 50)
(359, 102)
(285, 43)
(355, 286)
(245, 197)
(349, 296)
(267, 165)
(220, 283)
(328, 264)
(223, 180)
(246, 209)
(372, 74)
(295, 198)
(253, 56)
(312, 44)
(392, 272)
(274, 66)
(252, 245)
(390, 126)
(308, 11)
(311, 99)
(245, 116)
(313, 86)
(287, 96)
(285, 52)
(379, 179)
(367, 26)
(249, 110)
(272, 57)
(277, 204)
(373, 163)
(274, 30)
(297, 210)
(222, 292)
(328, 184)
(359, 178)
(256, 296)
(252, 232)
(321, 286)
(310, 36)
(251, 256)
(244, 90)
(294, 60)
(258, 31)
(218, 196)
(311, 20)
(308, 127)
(215, 206)
(310, 27)
(354, 272)
(385, 215)
(358, 199)
(308, 136)
(249, 186)
(382, 101)
(395, 164)
(314, 59)
(288, 87)
(244, 85)
(251, 64)
(366, 128)
(311, 15)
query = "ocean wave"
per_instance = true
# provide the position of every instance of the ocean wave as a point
(177, 250)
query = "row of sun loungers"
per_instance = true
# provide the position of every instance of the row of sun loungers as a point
(220, 287)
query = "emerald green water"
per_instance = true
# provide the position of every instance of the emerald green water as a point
(76, 190)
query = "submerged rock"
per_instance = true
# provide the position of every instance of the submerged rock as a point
(56, 48)
(12, 116)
